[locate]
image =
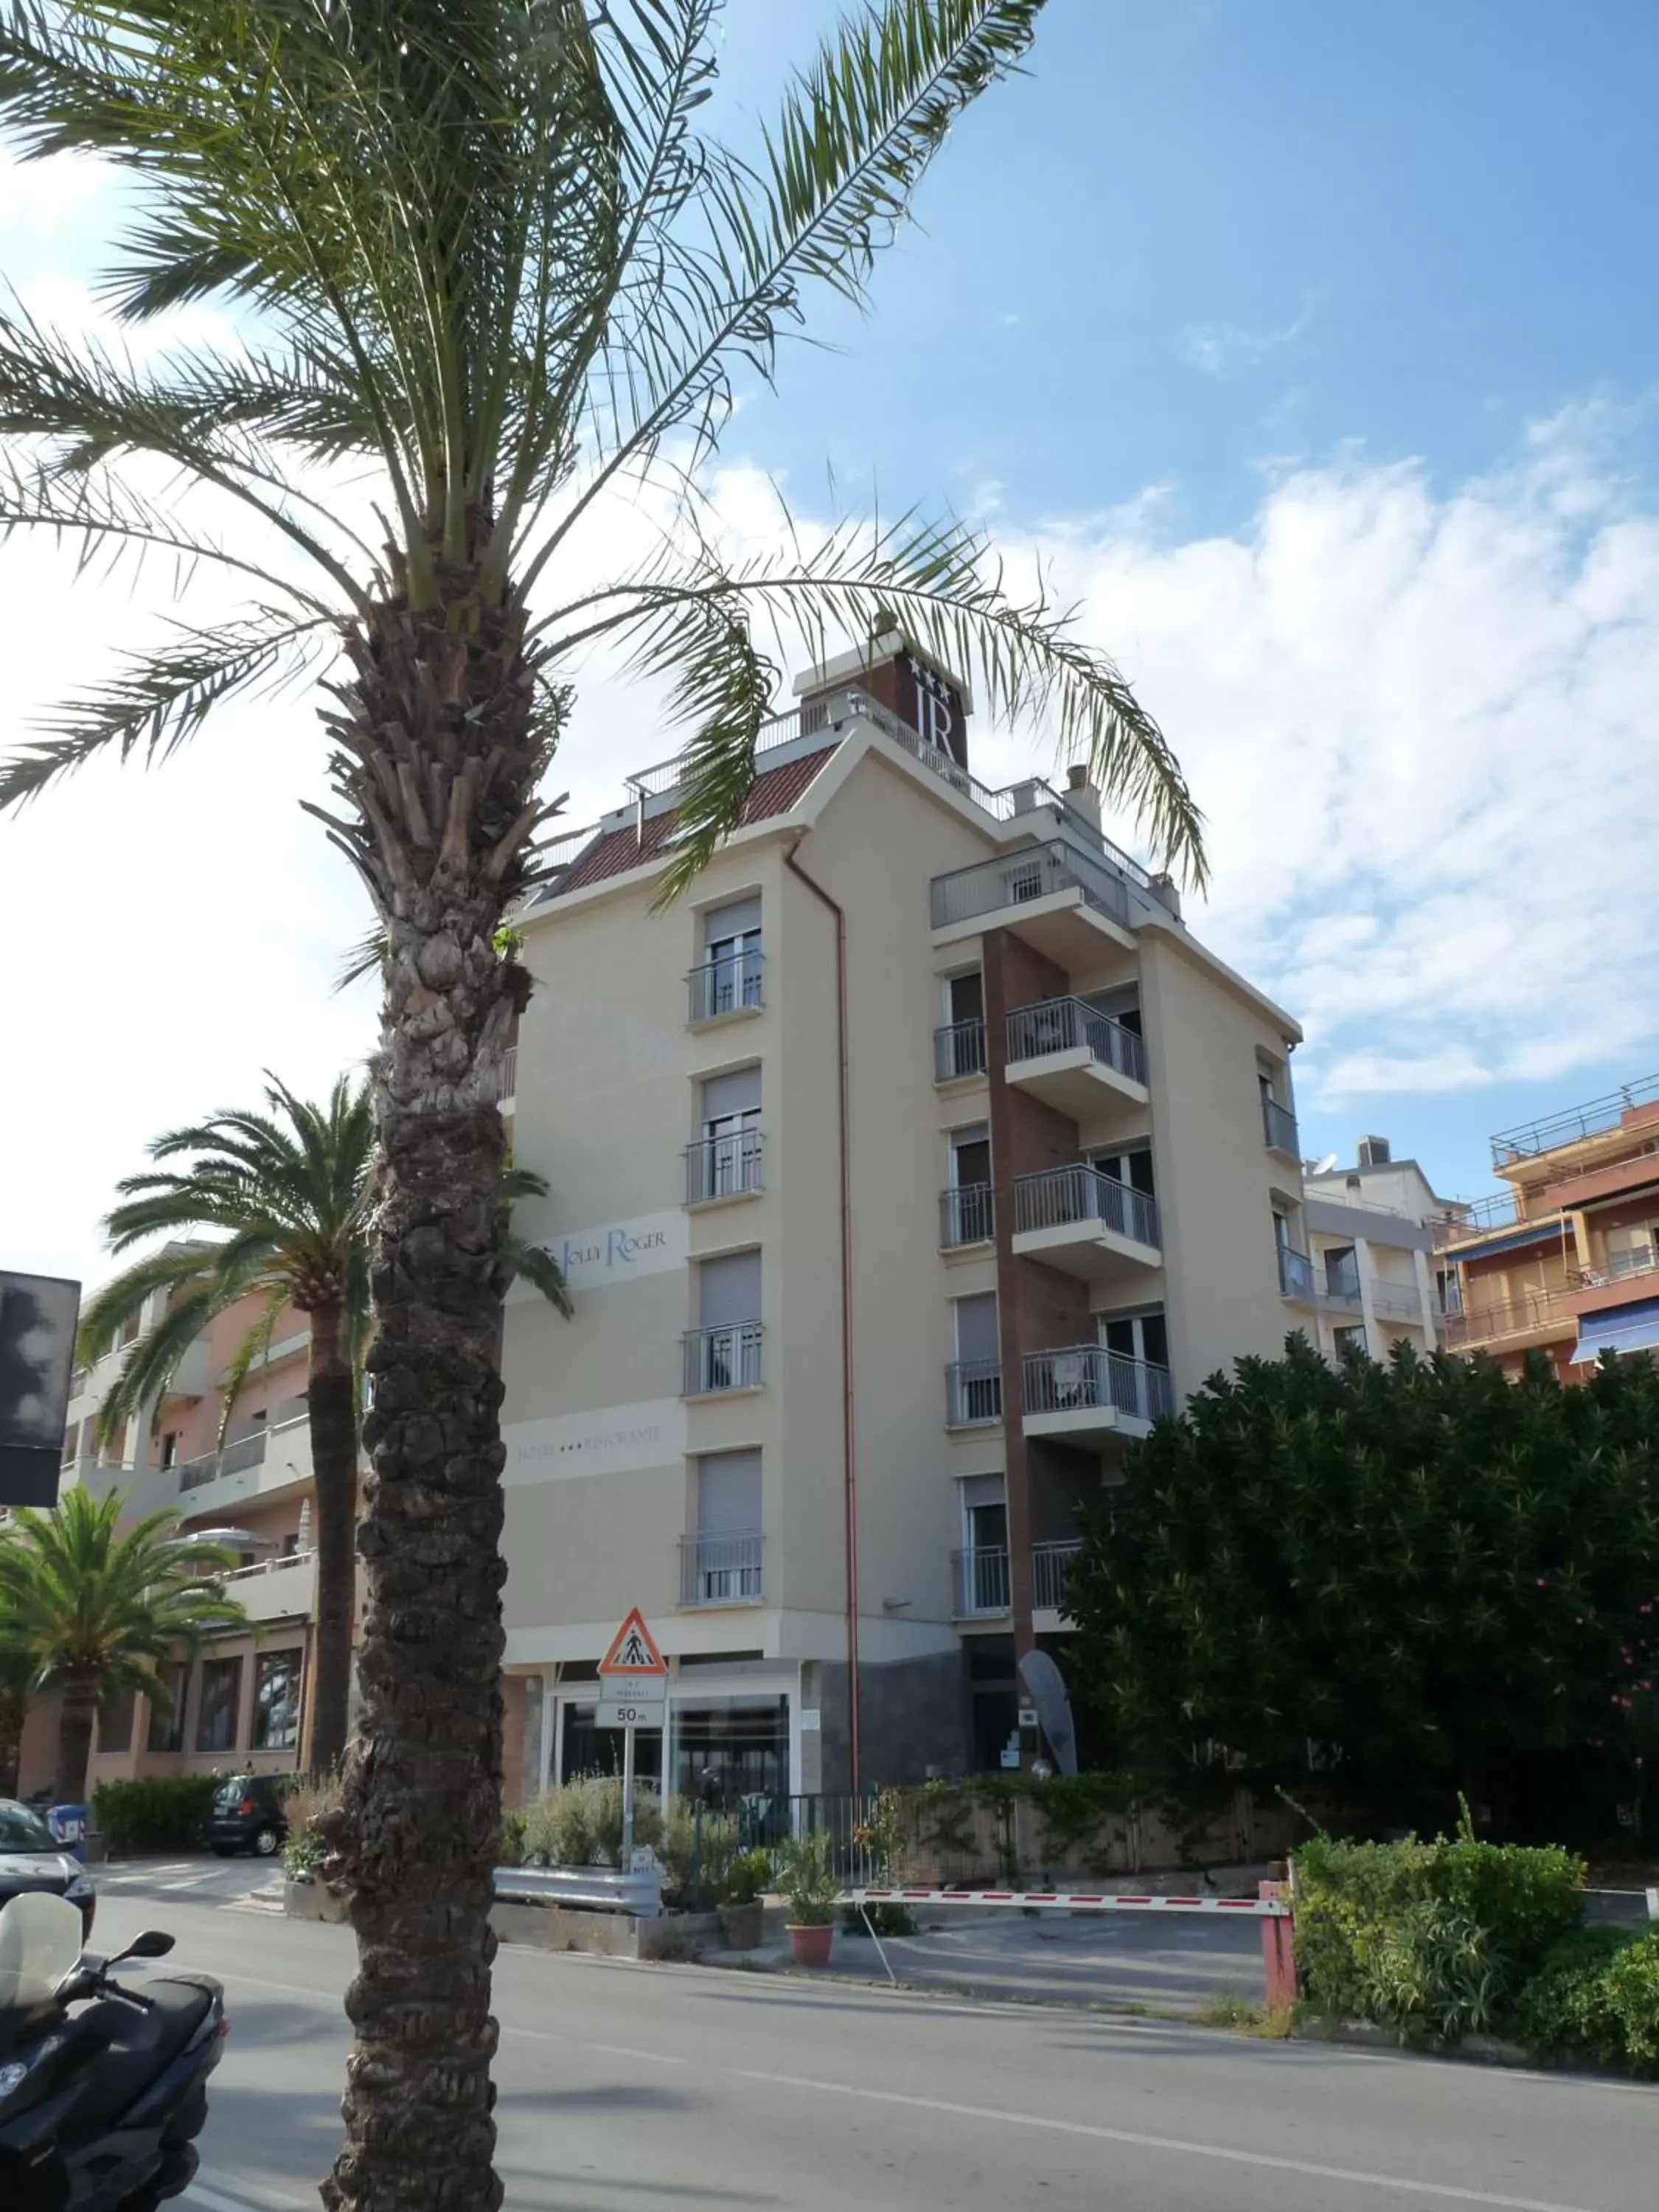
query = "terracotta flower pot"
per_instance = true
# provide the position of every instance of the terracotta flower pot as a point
(740, 1924)
(810, 1946)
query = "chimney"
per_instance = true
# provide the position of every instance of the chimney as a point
(1081, 795)
(902, 676)
(1373, 1152)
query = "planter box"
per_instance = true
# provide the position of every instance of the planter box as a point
(742, 1924)
(607, 1933)
(309, 1901)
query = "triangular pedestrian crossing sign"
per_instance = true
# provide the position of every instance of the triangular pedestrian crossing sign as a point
(633, 1650)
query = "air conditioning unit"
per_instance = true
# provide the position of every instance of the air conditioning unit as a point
(1373, 1151)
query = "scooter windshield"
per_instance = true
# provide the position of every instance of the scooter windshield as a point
(39, 1944)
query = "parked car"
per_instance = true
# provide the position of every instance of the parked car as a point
(30, 1859)
(248, 1816)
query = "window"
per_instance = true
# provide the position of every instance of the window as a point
(221, 1694)
(1341, 1271)
(167, 1729)
(723, 1353)
(170, 1448)
(1348, 1338)
(115, 1722)
(968, 1197)
(723, 1566)
(730, 978)
(984, 1579)
(960, 1045)
(1131, 1164)
(1630, 1250)
(1143, 1336)
(277, 1701)
(726, 1159)
(976, 1378)
(1121, 1006)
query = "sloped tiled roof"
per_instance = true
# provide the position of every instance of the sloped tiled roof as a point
(775, 791)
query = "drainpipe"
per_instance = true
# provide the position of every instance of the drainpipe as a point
(849, 1462)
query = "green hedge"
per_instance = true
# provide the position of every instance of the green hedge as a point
(1597, 1994)
(160, 1812)
(1431, 1939)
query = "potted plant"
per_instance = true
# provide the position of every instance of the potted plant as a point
(747, 1873)
(811, 1890)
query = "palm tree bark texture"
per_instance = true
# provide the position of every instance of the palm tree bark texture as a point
(445, 695)
(331, 1399)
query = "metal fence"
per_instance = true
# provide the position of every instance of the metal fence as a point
(1016, 878)
(1070, 1025)
(723, 1167)
(967, 1215)
(1050, 1564)
(959, 1050)
(724, 1358)
(1591, 1119)
(721, 1567)
(766, 1818)
(1058, 1197)
(1279, 1127)
(1079, 1376)
(973, 1393)
(981, 1579)
(507, 1082)
(727, 985)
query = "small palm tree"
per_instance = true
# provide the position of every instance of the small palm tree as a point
(486, 267)
(93, 1610)
(290, 1196)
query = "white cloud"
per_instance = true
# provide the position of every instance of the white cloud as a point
(1222, 349)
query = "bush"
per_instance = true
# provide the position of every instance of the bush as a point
(694, 1861)
(748, 1875)
(509, 1851)
(1597, 1994)
(1429, 1938)
(809, 1880)
(579, 1824)
(305, 1804)
(159, 1813)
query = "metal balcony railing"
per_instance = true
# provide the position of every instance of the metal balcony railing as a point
(235, 1459)
(1593, 1119)
(959, 1050)
(722, 1567)
(1057, 1196)
(724, 1358)
(1295, 1274)
(973, 1393)
(1068, 1025)
(1050, 1564)
(1553, 1310)
(727, 985)
(1032, 872)
(966, 1215)
(508, 1083)
(723, 1167)
(1279, 1127)
(981, 1579)
(1340, 1281)
(1080, 1377)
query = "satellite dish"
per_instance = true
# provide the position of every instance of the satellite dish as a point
(1325, 1164)
(1046, 1687)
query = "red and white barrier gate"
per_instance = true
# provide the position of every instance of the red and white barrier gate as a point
(1271, 1906)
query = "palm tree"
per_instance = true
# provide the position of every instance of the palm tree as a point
(16, 1680)
(93, 1610)
(490, 271)
(290, 1193)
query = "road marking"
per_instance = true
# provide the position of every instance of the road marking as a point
(1446, 2191)
(222, 2189)
(211, 2201)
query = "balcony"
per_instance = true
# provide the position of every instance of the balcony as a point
(1050, 1564)
(721, 1360)
(1396, 1301)
(1279, 1129)
(958, 1051)
(1538, 1316)
(1053, 895)
(720, 1168)
(721, 1567)
(1618, 1109)
(972, 1393)
(1085, 1222)
(1295, 1275)
(967, 1215)
(1084, 1393)
(1074, 1059)
(239, 1458)
(508, 1083)
(276, 1590)
(734, 984)
(268, 1464)
(982, 1582)
(1339, 1283)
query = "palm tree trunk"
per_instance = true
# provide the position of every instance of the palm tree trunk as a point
(75, 1721)
(436, 755)
(331, 1397)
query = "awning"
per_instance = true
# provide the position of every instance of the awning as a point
(1618, 1328)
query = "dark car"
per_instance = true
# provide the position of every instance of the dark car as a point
(247, 1815)
(30, 1859)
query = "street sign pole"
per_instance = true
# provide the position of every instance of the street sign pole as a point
(628, 1800)
(633, 1677)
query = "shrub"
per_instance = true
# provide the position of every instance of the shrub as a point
(1429, 1938)
(510, 1851)
(747, 1876)
(810, 1884)
(159, 1813)
(305, 1804)
(695, 1858)
(1597, 1994)
(579, 1824)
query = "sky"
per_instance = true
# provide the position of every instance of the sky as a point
(1312, 349)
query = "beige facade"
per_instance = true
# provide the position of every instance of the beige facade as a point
(1372, 1230)
(974, 1086)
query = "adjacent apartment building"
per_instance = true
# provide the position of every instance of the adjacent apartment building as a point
(903, 1173)
(1372, 1233)
(1566, 1261)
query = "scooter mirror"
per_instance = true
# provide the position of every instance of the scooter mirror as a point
(152, 1944)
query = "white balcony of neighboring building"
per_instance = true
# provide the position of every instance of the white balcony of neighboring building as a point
(1055, 897)
(1086, 1223)
(1085, 1393)
(270, 1463)
(1074, 1058)
(276, 1590)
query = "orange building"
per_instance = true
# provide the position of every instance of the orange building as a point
(1567, 1261)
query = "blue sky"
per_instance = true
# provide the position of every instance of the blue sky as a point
(1313, 348)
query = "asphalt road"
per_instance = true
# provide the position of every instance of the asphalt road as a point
(623, 2088)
